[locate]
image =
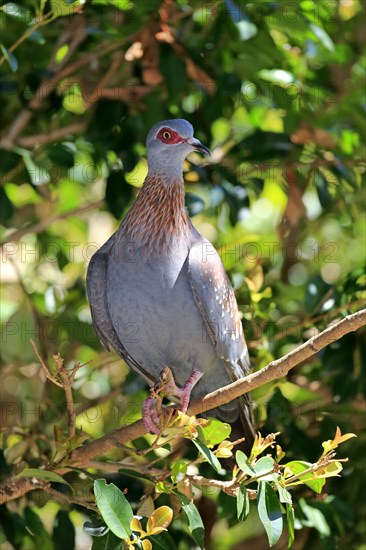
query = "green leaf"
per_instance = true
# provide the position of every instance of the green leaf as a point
(95, 527)
(315, 290)
(209, 456)
(284, 494)
(159, 520)
(290, 516)
(215, 432)
(243, 463)
(195, 524)
(63, 531)
(61, 8)
(346, 173)
(277, 76)
(118, 193)
(264, 465)
(269, 510)
(315, 518)
(163, 541)
(17, 11)
(242, 503)
(194, 204)
(61, 155)
(322, 36)
(42, 474)
(6, 207)
(107, 542)
(298, 466)
(246, 30)
(10, 58)
(322, 188)
(38, 174)
(179, 471)
(38, 531)
(114, 507)
(133, 473)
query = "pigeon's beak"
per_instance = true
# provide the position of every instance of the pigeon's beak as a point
(197, 146)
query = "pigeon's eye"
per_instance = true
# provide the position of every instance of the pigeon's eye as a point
(168, 136)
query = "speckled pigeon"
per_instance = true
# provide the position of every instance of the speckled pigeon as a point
(159, 294)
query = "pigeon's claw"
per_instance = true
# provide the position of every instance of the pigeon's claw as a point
(180, 395)
(150, 415)
(187, 388)
(152, 408)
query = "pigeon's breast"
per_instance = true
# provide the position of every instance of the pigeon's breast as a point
(154, 314)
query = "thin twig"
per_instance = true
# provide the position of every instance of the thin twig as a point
(44, 366)
(313, 320)
(45, 19)
(63, 498)
(229, 487)
(66, 383)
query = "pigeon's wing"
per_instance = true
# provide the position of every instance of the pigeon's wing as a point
(216, 301)
(96, 282)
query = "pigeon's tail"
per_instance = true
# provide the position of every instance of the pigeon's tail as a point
(238, 414)
(243, 426)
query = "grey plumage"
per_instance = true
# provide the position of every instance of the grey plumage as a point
(158, 291)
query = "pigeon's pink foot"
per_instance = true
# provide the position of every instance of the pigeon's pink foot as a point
(183, 394)
(150, 415)
(152, 407)
(188, 387)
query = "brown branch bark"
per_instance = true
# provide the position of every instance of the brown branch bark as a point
(53, 135)
(16, 487)
(275, 369)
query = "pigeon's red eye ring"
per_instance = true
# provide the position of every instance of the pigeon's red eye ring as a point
(168, 136)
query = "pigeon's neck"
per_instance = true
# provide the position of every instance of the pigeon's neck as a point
(158, 220)
(167, 166)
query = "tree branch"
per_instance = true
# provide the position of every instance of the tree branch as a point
(46, 222)
(274, 370)
(17, 487)
(52, 135)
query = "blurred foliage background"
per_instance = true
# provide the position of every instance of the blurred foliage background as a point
(276, 90)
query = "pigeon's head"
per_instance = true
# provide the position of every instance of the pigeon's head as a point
(168, 144)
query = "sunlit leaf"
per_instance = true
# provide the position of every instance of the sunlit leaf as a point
(114, 507)
(195, 524)
(264, 465)
(269, 511)
(242, 461)
(43, 474)
(17, 11)
(242, 503)
(208, 455)
(136, 526)
(215, 431)
(179, 471)
(297, 466)
(11, 59)
(290, 516)
(338, 438)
